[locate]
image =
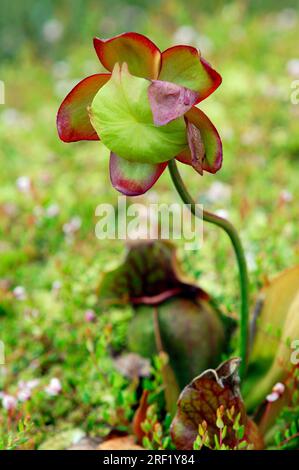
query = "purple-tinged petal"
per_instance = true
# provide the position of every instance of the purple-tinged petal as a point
(73, 122)
(196, 146)
(133, 178)
(210, 139)
(169, 101)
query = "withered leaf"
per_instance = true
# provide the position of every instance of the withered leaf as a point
(199, 402)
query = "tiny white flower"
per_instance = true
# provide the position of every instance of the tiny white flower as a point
(54, 387)
(52, 30)
(20, 293)
(185, 34)
(222, 213)
(76, 223)
(56, 285)
(219, 191)
(286, 196)
(251, 261)
(272, 397)
(31, 384)
(23, 184)
(9, 402)
(24, 394)
(293, 67)
(279, 388)
(72, 226)
(53, 210)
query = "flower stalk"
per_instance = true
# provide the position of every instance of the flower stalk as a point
(240, 256)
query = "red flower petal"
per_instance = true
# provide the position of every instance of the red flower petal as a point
(169, 101)
(140, 53)
(210, 139)
(213, 82)
(132, 178)
(73, 122)
(184, 66)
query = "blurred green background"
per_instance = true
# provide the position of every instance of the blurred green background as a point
(50, 259)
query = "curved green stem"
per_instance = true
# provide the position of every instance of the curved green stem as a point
(239, 252)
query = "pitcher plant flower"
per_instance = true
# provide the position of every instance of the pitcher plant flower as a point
(144, 110)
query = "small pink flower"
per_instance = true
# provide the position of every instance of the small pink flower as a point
(279, 388)
(53, 210)
(9, 402)
(272, 397)
(90, 315)
(293, 67)
(32, 383)
(20, 293)
(54, 387)
(25, 389)
(24, 394)
(285, 196)
(277, 392)
(69, 228)
(56, 286)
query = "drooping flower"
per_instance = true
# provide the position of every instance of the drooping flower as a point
(144, 111)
